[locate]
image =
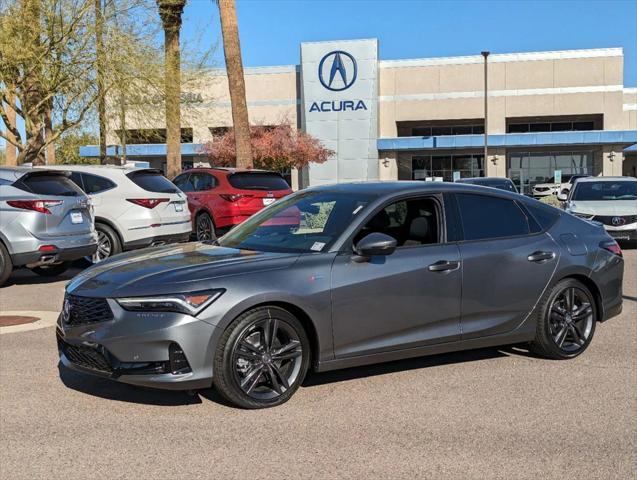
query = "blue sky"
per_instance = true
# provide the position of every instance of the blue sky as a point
(271, 31)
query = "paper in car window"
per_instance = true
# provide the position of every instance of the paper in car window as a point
(317, 246)
(358, 209)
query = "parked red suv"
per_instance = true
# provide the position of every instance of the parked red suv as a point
(220, 198)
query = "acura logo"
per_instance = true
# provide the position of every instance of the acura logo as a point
(66, 310)
(337, 71)
(618, 221)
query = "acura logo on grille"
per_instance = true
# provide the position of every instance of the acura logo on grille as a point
(66, 310)
(618, 221)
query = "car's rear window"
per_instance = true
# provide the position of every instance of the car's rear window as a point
(258, 181)
(54, 185)
(152, 181)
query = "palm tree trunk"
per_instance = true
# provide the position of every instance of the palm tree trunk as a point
(236, 82)
(10, 149)
(48, 133)
(170, 12)
(101, 98)
(34, 121)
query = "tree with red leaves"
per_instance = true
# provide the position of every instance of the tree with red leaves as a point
(278, 148)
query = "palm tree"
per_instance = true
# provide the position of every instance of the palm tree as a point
(170, 12)
(236, 82)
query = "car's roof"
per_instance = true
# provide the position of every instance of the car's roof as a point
(390, 188)
(606, 179)
(228, 170)
(13, 173)
(114, 168)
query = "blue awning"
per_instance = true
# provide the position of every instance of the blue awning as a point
(147, 150)
(596, 137)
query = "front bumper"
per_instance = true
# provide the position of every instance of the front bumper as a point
(55, 256)
(133, 348)
(629, 233)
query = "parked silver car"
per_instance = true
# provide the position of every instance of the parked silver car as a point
(45, 221)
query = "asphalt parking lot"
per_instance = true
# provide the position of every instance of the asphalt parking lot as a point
(491, 413)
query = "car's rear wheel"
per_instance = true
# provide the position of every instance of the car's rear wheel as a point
(108, 243)
(567, 319)
(6, 267)
(204, 227)
(262, 358)
(51, 270)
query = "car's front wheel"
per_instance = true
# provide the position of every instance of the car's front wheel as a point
(204, 227)
(262, 358)
(567, 316)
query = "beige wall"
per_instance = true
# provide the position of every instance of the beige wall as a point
(520, 85)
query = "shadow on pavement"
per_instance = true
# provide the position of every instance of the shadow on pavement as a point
(24, 276)
(110, 390)
(314, 378)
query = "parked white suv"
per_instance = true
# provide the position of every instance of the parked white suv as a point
(134, 207)
(545, 189)
(608, 200)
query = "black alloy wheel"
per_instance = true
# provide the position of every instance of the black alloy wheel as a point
(567, 323)
(571, 319)
(204, 228)
(262, 358)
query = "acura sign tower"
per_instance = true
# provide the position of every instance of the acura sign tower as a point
(340, 107)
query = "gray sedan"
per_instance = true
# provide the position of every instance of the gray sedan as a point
(340, 276)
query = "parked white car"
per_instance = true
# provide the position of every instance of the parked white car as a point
(608, 200)
(544, 189)
(133, 207)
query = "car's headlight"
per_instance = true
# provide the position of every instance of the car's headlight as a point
(188, 303)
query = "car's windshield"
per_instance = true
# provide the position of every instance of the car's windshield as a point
(607, 190)
(305, 222)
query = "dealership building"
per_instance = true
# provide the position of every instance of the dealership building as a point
(421, 118)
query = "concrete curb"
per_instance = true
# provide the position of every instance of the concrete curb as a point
(47, 319)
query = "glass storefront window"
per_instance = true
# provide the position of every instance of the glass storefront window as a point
(430, 166)
(531, 168)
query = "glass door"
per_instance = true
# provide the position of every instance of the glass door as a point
(519, 180)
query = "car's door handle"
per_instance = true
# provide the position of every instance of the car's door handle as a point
(443, 266)
(540, 256)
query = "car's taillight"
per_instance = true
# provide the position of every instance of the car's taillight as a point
(41, 206)
(148, 202)
(233, 197)
(612, 246)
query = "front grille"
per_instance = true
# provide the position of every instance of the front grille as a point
(619, 220)
(86, 357)
(82, 310)
(542, 189)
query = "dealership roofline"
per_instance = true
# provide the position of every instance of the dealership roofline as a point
(453, 60)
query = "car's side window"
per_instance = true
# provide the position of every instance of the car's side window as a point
(183, 183)
(202, 182)
(95, 184)
(486, 216)
(412, 222)
(76, 178)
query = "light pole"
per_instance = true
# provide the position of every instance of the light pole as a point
(485, 54)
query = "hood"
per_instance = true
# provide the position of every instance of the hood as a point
(604, 207)
(175, 268)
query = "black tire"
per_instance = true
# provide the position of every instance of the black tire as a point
(258, 369)
(563, 333)
(51, 270)
(6, 266)
(108, 243)
(204, 228)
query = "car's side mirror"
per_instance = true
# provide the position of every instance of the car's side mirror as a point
(562, 197)
(375, 243)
